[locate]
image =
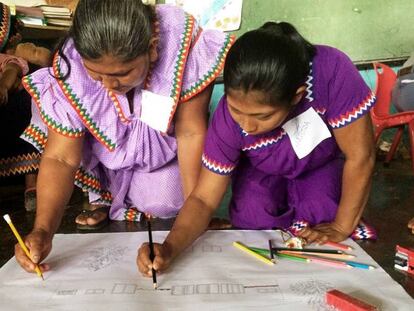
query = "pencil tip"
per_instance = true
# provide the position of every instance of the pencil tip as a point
(155, 285)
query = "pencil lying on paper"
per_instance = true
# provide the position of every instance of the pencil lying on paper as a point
(152, 255)
(247, 250)
(338, 245)
(21, 243)
(324, 255)
(330, 261)
(304, 250)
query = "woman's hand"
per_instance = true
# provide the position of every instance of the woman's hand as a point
(324, 232)
(161, 261)
(39, 244)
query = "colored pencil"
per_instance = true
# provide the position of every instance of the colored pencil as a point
(350, 264)
(294, 258)
(338, 245)
(324, 255)
(329, 262)
(305, 250)
(21, 243)
(360, 265)
(247, 250)
(152, 254)
(324, 261)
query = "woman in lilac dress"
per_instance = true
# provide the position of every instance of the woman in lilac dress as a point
(122, 113)
(293, 132)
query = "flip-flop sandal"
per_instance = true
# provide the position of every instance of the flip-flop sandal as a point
(99, 225)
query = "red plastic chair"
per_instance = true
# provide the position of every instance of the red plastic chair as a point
(382, 118)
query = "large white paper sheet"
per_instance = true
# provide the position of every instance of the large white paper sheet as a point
(98, 272)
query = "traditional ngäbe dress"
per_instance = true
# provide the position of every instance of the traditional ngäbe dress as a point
(294, 172)
(129, 159)
(17, 157)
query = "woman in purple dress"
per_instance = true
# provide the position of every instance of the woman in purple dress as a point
(122, 113)
(293, 132)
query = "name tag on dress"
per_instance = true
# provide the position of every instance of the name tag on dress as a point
(306, 131)
(156, 110)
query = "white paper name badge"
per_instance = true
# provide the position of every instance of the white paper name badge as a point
(156, 110)
(306, 131)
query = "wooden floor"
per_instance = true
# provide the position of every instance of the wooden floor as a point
(390, 207)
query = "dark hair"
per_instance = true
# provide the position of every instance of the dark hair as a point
(273, 59)
(121, 28)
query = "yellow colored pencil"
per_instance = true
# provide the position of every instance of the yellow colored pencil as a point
(21, 243)
(247, 250)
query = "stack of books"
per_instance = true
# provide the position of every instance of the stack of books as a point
(40, 13)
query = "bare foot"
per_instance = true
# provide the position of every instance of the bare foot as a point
(93, 218)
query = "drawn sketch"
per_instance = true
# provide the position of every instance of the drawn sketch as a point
(314, 291)
(67, 292)
(211, 249)
(95, 291)
(212, 276)
(103, 257)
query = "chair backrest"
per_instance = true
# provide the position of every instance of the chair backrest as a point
(386, 78)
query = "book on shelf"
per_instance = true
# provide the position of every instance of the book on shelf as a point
(59, 22)
(32, 21)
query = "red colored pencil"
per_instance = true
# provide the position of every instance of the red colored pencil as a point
(338, 245)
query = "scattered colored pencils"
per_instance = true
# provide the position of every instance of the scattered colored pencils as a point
(152, 254)
(21, 243)
(324, 255)
(247, 250)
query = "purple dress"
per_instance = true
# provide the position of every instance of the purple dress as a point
(129, 159)
(277, 180)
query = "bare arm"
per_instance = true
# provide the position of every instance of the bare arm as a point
(357, 143)
(58, 166)
(191, 127)
(191, 222)
(60, 160)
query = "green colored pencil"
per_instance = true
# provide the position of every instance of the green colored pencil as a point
(295, 258)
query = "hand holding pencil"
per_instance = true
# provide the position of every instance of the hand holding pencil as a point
(160, 262)
(32, 250)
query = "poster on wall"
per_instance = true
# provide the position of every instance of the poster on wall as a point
(223, 15)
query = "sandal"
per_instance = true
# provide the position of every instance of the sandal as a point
(30, 199)
(89, 213)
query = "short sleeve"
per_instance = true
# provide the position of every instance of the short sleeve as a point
(205, 60)
(349, 97)
(223, 142)
(53, 107)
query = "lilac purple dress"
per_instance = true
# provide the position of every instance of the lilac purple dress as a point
(127, 163)
(276, 180)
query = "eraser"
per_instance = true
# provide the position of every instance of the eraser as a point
(345, 302)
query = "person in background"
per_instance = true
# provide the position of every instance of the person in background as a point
(294, 134)
(17, 157)
(124, 111)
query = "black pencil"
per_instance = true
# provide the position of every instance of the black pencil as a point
(272, 257)
(312, 250)
(152, 255)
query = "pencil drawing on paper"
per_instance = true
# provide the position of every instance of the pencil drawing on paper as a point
(102, 257)
(314, 291)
